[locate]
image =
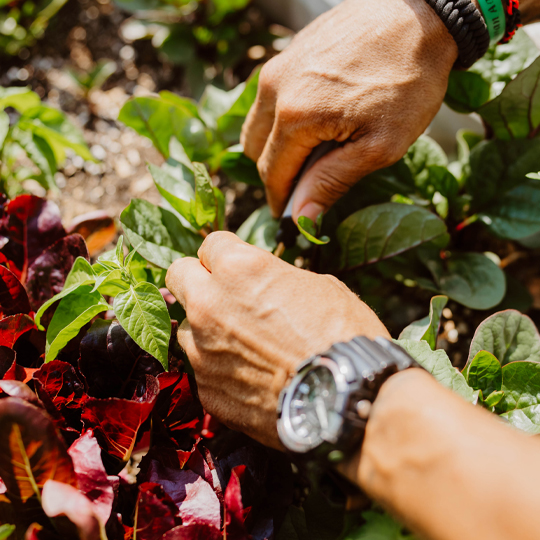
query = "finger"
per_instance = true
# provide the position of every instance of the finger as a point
(334, 174)
(185, 278)
(283, 156)
(260, 118)
(185, 338)
(215, 245)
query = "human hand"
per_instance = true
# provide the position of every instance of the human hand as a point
(251, 319)
(371, 75)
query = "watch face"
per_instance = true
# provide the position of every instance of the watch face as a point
(312, 407)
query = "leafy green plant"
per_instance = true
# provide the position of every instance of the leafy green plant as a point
(24, 22)
(33, 140)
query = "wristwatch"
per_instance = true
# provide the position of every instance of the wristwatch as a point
(323, 412)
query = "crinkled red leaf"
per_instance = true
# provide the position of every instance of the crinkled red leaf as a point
(97, 228)
(234, 509)
(7, 357)
(116, 422)
(48, 273)
(155, 514)
(112, 363)
(15, 373)
(13, 296)
(91, 475)
(13, 327)
(59, 499)
(194, 496)
(60, 381)
(31, 224)
(30, 451)
(199, 531)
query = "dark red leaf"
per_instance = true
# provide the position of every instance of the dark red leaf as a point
(7, 357)
(13, 327)
(15, 373)
(116, 422)
(28, 436)
(155, 513)
(31, 225)
(48, 273)
(112, 363)
(199, 531)
(37, 532)
(194, 496)
(234, 509)
(97, 228)
(60, 381)
(13, 297)
(91, 475)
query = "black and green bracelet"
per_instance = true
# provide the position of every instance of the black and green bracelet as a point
(467, 26)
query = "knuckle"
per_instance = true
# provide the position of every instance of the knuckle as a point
(269, 74)
(243, 258)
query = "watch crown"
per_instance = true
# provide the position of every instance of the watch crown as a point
(363, 408)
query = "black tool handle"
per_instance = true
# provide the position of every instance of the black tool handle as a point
(288, 231)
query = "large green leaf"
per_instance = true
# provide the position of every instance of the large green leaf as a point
(161, 118)
(143, 314)
(521, 386)
(215, 102)
(4, 127)
(485, 373)
(515, 114)
(467, 91)
(6, 531)
(74, 311)
(385, 230)
(204, 207)
(439, 365)
(157, 234)
(499, 166)
(427, 329)
(237, 166)
(18, 98)
(516, 215)
(81, 274)
(509, 335)
(526, 419)
(260, 229)
(424, 153)
(379, 527)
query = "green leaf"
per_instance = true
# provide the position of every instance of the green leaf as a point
(74, 311)
(385, 230)
(515, 215)
(467, 91)
(203, 208)
(177, 154)
(485, 373)
(493, 399)
(427, 329)
(120, 251)
(498, 167)
(521, 386)
(515, 113)
(424, 153)
(216, 102)
(237, 166)
(311, 231)
(379, 527)
(6, 531)
(439, 365)
(21, 99)
(157, 234)
(509, 335)
(4, 127)
(143, 314)
(81, 274)
(230, 124)
(470, 279)
(111, 283)
(526, 419)
(260, 229)
(162, 118)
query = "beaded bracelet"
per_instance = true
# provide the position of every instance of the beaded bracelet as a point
(513, 20)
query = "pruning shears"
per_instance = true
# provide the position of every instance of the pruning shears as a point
(288, 231)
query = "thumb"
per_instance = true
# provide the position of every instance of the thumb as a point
(333, 175)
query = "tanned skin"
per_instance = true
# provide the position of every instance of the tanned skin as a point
(373, 78)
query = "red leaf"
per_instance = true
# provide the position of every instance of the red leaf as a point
(199, 531)
(13, 297)
(234, 509)
(31, 225)
(28, 436)
(97, 228)
(155, 512)
(116, 422)
(15, 373)
(13, 327)
(91, 475)
(7, 357)
(48, 273)
(60, 381)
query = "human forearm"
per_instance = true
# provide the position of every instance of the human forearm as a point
(530, 11)
(435, 461)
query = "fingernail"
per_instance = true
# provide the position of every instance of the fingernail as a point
(311, 210)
